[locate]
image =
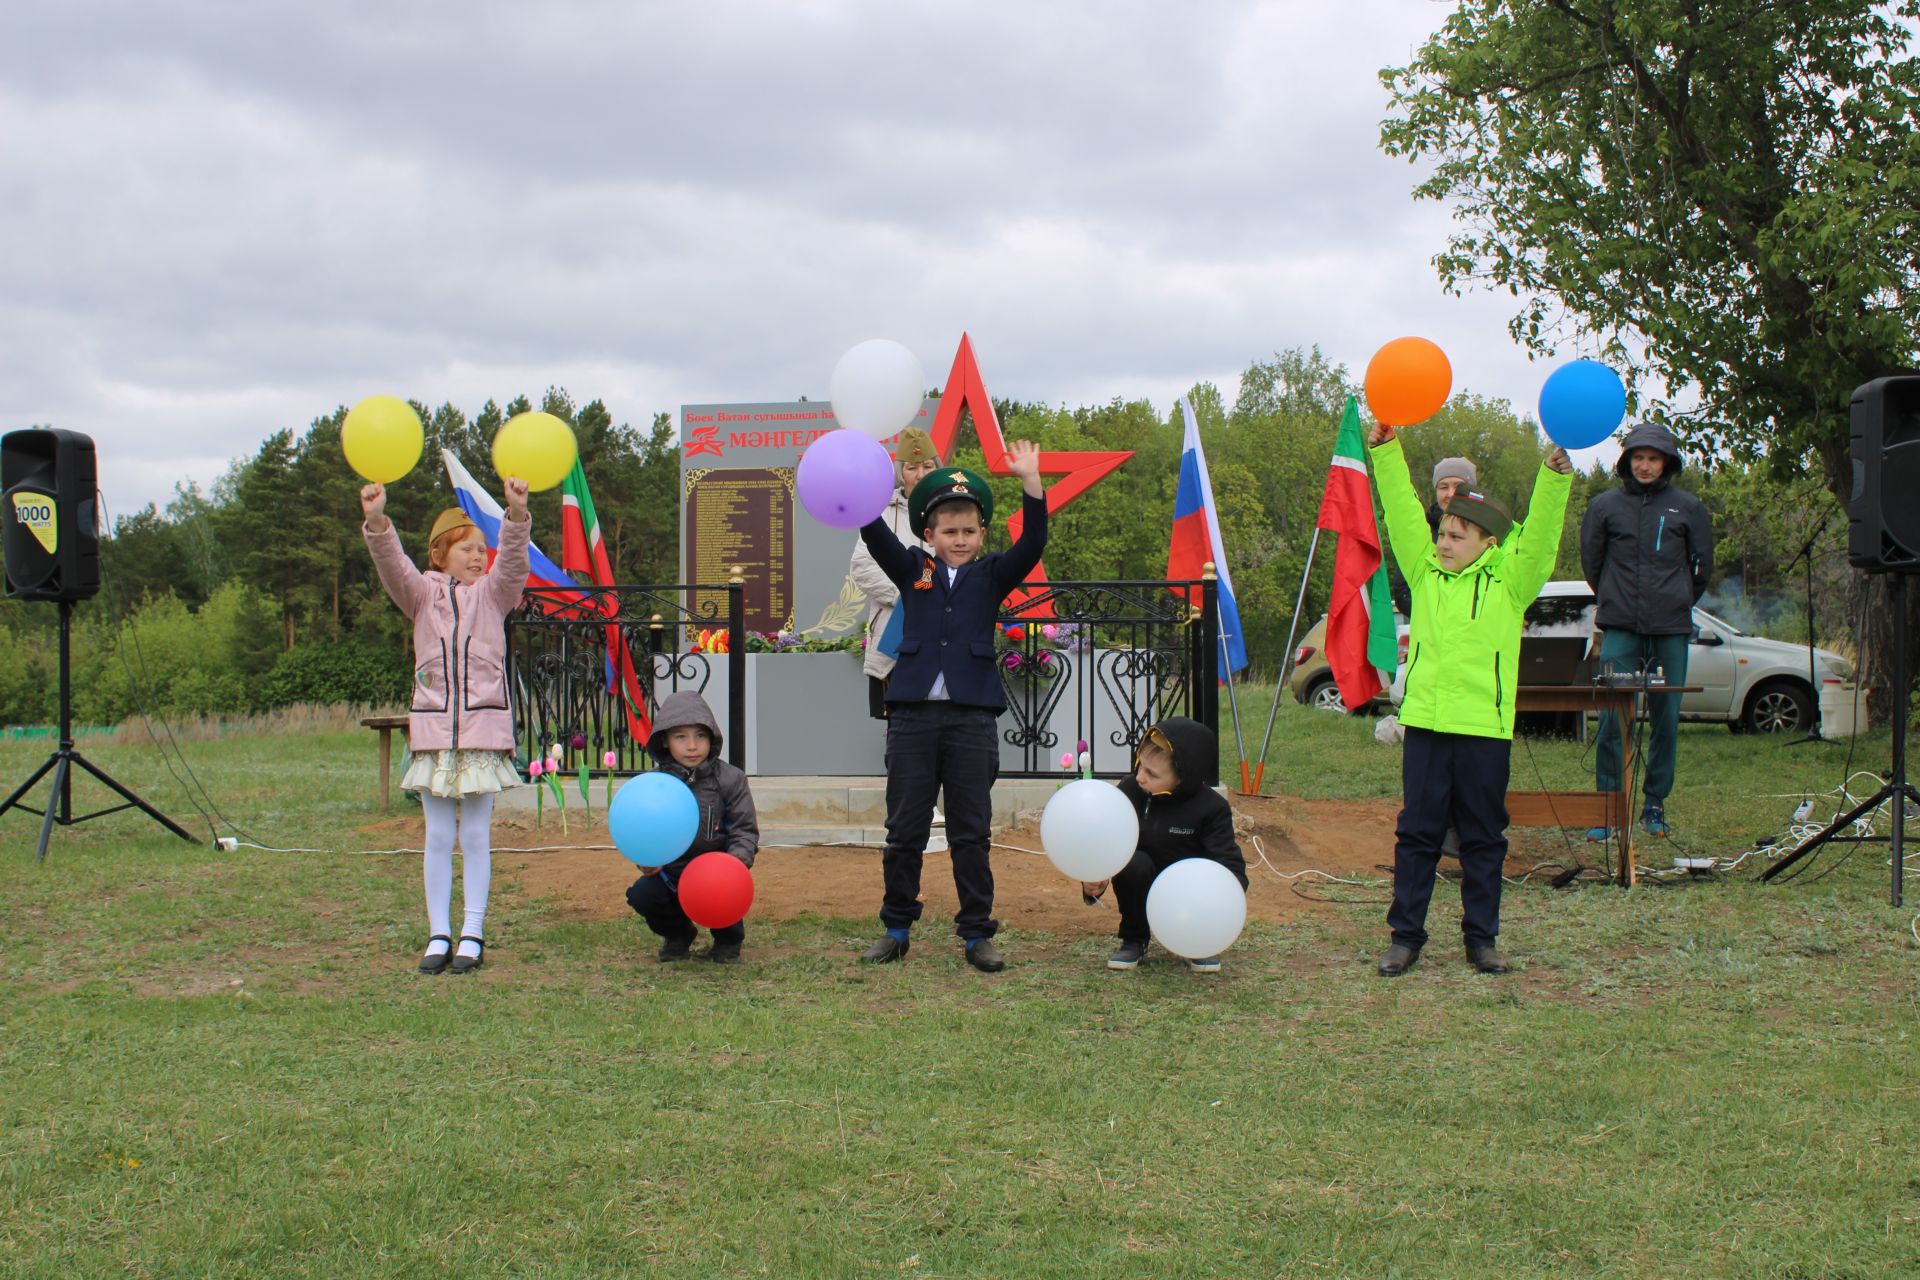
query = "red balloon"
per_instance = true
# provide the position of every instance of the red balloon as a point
(715, 890)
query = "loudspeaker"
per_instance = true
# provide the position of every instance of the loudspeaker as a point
(49, 515)
(1883, 509)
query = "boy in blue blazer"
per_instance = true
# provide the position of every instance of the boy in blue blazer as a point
(945, 694)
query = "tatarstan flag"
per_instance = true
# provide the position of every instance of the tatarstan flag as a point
(583, 551)
(1361, 645)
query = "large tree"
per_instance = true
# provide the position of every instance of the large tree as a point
(1725, 194)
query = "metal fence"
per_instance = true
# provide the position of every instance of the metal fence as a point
(1097, 662)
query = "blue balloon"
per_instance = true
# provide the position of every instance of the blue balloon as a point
(653, 818)
(1582, 404)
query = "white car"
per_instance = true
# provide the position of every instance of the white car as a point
(1748, 683)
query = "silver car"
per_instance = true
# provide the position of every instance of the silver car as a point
(1748, 683)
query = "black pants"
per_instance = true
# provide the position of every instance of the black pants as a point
(1130, 886)
(1457, 779)
(931, 746)
(658, 901)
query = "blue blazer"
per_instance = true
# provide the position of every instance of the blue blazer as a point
(949, 630)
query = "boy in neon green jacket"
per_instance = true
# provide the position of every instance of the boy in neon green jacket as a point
(1469, 599)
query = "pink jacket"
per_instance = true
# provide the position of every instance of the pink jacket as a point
(460, 696)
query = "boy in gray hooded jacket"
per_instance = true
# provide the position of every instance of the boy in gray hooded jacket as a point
(686, 743)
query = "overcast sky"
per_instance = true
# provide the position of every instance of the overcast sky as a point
(221, 219)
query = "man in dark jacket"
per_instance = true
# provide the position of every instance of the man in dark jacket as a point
(686, 743)
(1646, 548)
(1180, 817)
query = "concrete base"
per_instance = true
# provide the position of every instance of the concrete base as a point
(801, 810)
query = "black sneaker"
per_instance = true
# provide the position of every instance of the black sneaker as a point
(885, 951)
(672, 949)
(986, 957)
(1127, 955)
(1204, 964)
(1397, 959)
(725, 953)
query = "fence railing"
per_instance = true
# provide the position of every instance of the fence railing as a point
(1097, 662)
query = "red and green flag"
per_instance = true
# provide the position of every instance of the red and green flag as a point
(583, 551)
(1361, 648)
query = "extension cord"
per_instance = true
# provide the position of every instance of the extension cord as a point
(1693, 864)
(226, 844)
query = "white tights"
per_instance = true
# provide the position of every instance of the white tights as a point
(473, 826)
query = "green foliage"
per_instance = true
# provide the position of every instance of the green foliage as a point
(324, 674)
(1725, 196)
(182, 662)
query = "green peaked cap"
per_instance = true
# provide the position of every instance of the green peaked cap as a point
(949, 484)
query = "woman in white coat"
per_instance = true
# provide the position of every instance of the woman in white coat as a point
(913, 460)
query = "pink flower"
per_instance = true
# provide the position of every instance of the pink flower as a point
(1066, 759)
(536, 768)
(607, 761)
(1050, 631)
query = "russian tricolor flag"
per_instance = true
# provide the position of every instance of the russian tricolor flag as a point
(485, 512)
(1196, 540)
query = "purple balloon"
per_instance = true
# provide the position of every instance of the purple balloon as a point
(845, 479)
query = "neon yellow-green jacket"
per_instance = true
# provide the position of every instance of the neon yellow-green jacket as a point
(1464, 648)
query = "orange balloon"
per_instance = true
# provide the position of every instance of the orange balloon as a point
(1407, 382)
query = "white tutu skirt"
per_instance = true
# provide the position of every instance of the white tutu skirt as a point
(452, 774)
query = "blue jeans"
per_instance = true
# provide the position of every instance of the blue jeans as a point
(1631, 651)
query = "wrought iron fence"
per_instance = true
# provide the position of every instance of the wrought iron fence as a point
(560, 642)
(1099, 662)
(1102, 662)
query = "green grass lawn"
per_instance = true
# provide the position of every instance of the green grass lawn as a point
(222, 1064)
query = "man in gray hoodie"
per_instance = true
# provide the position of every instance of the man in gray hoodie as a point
(1646, 549)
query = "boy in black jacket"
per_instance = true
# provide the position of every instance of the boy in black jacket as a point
(945, 693)
(1180, 817)
(686, 744)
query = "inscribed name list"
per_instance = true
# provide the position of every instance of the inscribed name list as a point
(744, 517)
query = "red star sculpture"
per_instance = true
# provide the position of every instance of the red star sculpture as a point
(1079, 470)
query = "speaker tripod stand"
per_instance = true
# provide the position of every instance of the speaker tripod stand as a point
(65, 759)
(1896, 787)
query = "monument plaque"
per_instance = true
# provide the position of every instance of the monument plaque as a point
(743, 516)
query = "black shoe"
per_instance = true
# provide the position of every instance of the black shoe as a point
(985, 957)
(1204, 964)
(885, 951)
(725, 953)
(438, 963)
(1127, 955)
(1397, 959)
(1486, 960)
(462, 964)
(672, 949)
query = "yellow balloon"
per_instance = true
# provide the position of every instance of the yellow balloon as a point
(537, 447)
(381, 438)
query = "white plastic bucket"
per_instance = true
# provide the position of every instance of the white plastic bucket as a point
(1843, 709)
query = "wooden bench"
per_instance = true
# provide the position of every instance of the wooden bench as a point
(385, 725)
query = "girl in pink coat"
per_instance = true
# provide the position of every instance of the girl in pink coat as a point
(460, 726)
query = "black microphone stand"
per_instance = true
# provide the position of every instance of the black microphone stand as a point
(1813, 675)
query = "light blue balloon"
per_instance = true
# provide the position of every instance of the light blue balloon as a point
(1582, 404)
(653, 819)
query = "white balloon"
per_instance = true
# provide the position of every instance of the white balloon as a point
(877, 388)
(1089, 829)
(1196, 908)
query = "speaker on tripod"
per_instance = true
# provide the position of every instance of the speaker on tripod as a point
(1883, 536)
(50, 543)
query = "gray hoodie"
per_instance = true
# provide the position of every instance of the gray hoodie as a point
(1647, 550)
(727, 819)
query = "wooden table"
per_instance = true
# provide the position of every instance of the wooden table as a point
(385, 725)
(1586, 808)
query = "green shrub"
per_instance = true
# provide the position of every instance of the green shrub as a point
(327, 674)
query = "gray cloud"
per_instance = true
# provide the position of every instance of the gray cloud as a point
(224, 219)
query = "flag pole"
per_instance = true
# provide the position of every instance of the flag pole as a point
(1226, 665)
(1286, 662)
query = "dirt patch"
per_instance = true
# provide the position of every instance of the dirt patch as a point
(1342, 838)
